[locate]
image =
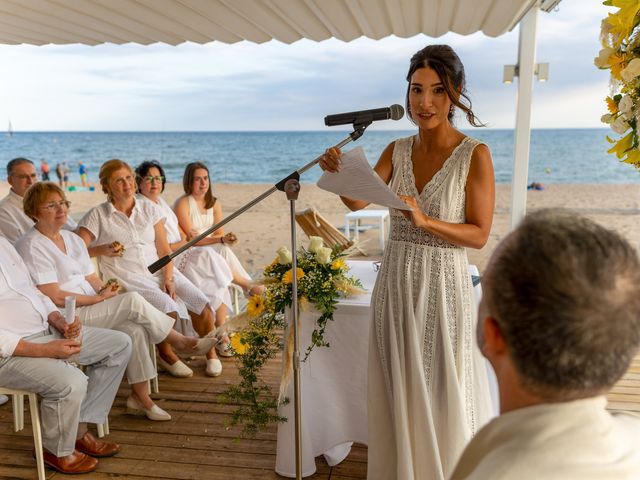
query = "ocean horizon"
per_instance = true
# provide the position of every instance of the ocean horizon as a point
(570, 155)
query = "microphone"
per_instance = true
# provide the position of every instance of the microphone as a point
(394, 112)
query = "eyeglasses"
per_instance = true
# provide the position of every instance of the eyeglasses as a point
(25, 176)
(151, 178)
(52, 206)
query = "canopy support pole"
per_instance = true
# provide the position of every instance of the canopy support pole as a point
(526, 68)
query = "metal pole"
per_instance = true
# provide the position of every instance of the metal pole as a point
(161, 262)
(292, 188)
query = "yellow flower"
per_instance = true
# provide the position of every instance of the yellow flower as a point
(633, 157)
(338, 264)
(612, 105)
(617, 63)
(237, 342)
(622, 22)
(255, 306)
(622, 145)
(288, 275)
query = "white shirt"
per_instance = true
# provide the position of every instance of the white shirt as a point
(48, 264)
(135, 232)
(555, 441)
(171, 224)
(23, 308)
(14, 222)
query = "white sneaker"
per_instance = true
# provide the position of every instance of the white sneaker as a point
(214, 367)
(178, 369)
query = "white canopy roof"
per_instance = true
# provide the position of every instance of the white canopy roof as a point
(93, 22)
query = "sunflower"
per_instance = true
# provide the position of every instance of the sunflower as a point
(239, 345)
(287, 278)
(255, 306)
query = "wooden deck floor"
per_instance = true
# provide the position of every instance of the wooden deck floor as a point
(196, 444)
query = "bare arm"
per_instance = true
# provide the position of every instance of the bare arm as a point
(384, 168)
(163, 249)
(479, 206)
(105, 249)
(184, 220)
(57, 295)
(53, 349)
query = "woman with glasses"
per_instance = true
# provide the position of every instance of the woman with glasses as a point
(127, 235)
(202, 265)
(59, 264)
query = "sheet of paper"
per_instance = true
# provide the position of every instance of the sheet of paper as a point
(356, 179)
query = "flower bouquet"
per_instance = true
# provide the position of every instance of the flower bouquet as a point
(322, 277)
(620, 54)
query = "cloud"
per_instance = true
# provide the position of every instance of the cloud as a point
(270, 86)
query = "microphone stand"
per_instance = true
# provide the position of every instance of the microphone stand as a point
(291, 186)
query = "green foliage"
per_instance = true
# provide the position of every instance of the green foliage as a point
(319, 283)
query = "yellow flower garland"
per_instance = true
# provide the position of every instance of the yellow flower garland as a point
(621, 56)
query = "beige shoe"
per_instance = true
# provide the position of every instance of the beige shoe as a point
(178, 369)
(214, 367)
(153, 413)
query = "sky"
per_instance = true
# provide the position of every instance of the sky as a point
(274, 86)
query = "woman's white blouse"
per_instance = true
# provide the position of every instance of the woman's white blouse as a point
(135, 232)
(48, 264)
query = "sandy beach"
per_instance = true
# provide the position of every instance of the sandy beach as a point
(265, 227)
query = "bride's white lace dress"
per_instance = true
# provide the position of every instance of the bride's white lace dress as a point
(428, 387)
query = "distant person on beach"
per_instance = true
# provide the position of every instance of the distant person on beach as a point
(428, 390)
(559, 321)
(82, 170)
(44, 170)
(21, 174)
(60, 266)
(535, 186)
(35, 347)
(59, 174)
(202, 265)
(127, 234)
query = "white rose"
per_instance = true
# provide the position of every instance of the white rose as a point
(606, 118)
(631, 71)
(620, 125)
(315, 243)
(602, 60)
(284, 256)
(323, 255)
(626, 104)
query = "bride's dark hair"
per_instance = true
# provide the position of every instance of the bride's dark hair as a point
(449, 68)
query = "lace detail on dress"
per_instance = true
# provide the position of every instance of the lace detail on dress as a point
(402, 230)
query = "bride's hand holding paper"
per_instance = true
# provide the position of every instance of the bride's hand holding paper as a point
(330, 162)
(416, 216)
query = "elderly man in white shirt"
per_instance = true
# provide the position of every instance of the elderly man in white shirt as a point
(21, 174)
(33, 357)
(560, 323)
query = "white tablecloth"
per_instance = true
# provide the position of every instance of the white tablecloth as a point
(333, 384)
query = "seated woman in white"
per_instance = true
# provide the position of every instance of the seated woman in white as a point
(202, 265)
(128, 235)
(197, 210)
(59, 264)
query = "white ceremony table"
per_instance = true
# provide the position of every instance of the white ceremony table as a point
(333, 383)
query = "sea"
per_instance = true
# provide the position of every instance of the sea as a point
(557, 156)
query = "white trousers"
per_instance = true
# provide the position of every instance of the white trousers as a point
(130, 313)
(68, 396)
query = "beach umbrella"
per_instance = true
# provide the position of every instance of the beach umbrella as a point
(92, 22)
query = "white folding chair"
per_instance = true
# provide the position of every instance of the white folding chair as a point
(18, 421)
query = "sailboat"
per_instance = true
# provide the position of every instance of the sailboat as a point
(9, 133)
